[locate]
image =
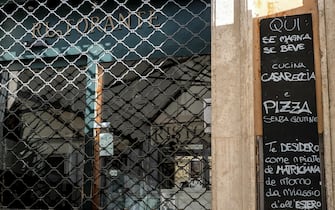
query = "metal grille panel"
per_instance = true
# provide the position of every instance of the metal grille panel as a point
(105, 104)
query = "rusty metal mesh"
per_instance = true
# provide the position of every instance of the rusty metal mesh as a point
(105, 104)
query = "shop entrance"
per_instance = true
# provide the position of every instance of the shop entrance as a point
(154, 149)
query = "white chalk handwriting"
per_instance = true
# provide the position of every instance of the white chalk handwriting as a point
(293, 119)
(288, 76)
(285, 25)
(291, 107)
(297, 169)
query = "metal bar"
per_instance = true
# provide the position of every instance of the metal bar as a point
(260, 170)
(3, 97)
(88, 179)
(98, 121)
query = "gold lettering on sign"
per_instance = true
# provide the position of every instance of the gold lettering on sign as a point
(85, 24)
(50, 32)
(109, 24)
(36, 31)
(124, 20)
(140, 18)
(153, 18)
(96, 23)
(69, 24)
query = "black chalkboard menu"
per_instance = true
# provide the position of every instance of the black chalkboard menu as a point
(291, 159)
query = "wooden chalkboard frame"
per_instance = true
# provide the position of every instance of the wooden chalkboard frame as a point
(258, 97)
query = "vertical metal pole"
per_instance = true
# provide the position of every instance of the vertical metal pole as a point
(260, 169)
(88, 178)
(3, 96)
(98, 121)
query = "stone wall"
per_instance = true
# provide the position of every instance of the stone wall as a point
(236, 105)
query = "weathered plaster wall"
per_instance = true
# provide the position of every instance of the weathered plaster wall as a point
(327, 48)
(232, 99)
(236, 98)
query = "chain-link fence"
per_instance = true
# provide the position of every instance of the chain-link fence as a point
(105, 104)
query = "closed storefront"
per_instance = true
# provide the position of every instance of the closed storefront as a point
(103, 104)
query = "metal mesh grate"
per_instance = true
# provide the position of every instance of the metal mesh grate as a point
(105, 104)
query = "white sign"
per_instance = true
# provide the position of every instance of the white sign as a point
(207, 115)
(106, 144)
(113, 172)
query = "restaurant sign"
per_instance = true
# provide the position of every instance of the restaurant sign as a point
(108, 32)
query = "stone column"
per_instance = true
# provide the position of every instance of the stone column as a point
(233, 139)
(236, 105)
(327, 48)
